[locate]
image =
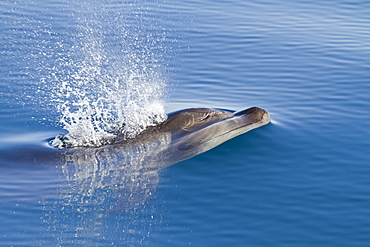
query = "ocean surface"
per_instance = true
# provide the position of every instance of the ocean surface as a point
(84, 69)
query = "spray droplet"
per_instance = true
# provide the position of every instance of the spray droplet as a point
(110, 82)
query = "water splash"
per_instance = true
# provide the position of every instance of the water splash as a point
(110, 81)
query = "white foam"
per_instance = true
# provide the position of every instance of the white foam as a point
(104, 89)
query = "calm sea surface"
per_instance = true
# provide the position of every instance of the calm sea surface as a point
(303, 180)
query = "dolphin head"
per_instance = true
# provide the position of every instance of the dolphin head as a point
(195, 131)
(214, 122)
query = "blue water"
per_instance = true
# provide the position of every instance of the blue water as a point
(303, 180)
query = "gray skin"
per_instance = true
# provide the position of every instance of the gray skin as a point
(129, 167)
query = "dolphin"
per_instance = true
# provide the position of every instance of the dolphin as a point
(129, 167)
(197, 130)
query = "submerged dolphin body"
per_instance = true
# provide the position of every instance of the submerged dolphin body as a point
(129, 167)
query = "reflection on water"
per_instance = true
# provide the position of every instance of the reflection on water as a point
(103, 184)
(120, 169)
(88, 196)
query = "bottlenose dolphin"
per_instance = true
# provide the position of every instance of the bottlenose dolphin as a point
(129, 167)
(197, 130)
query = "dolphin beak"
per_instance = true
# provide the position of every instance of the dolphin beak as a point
(255, 115)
